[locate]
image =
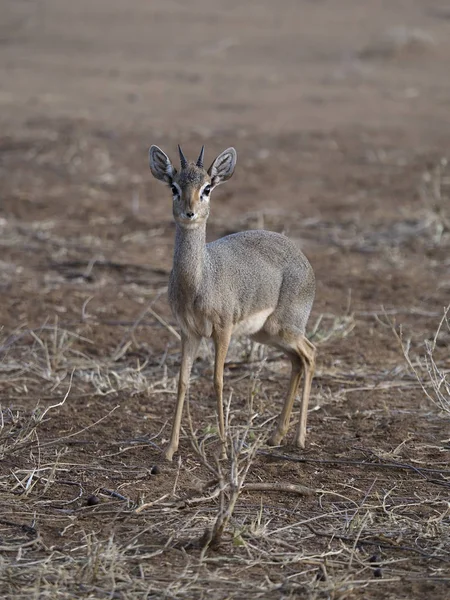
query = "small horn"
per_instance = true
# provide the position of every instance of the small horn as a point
(200, 158)
(183, 160)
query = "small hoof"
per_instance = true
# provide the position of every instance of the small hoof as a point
(168, 453)
(275, 440)
(300, 441)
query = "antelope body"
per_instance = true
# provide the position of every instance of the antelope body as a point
(256, 283)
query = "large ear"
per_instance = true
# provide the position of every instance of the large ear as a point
(160, 165)
(223, 167)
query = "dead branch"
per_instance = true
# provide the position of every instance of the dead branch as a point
(289, 488)
(381, 543)
(356, 463)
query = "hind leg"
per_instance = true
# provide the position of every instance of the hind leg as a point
(302, 354)
(283, 422)
(307, 352)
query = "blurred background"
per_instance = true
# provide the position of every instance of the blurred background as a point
(168, 65)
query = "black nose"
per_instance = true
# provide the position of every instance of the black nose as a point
(189, 215)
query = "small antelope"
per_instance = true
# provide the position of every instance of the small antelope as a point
(254, 283)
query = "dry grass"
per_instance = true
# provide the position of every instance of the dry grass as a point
(227, 531)
(431, 374)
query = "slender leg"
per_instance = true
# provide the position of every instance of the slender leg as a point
(189, 347)
(221, 343)
(283, 422)
(307, 353)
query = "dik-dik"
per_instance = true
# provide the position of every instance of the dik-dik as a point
(253, 283)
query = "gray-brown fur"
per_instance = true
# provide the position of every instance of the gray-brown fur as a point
(256, 283)
(191, 175)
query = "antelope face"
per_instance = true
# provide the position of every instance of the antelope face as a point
(191, 189)
(191, 186)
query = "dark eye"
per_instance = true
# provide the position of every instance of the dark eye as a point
(174, 190)
(206, 190)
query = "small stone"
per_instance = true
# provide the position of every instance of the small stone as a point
(92, 500)
(321, 575)
(377, 573)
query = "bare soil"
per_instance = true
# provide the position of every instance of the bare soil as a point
(339, 114)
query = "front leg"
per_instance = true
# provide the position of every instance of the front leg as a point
(189, 347)
(221, 342)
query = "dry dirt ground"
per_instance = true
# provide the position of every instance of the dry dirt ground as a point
(340, 115)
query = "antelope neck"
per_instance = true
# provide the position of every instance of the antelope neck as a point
(189, 256)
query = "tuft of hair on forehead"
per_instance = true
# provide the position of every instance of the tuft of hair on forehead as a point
(192, 175)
